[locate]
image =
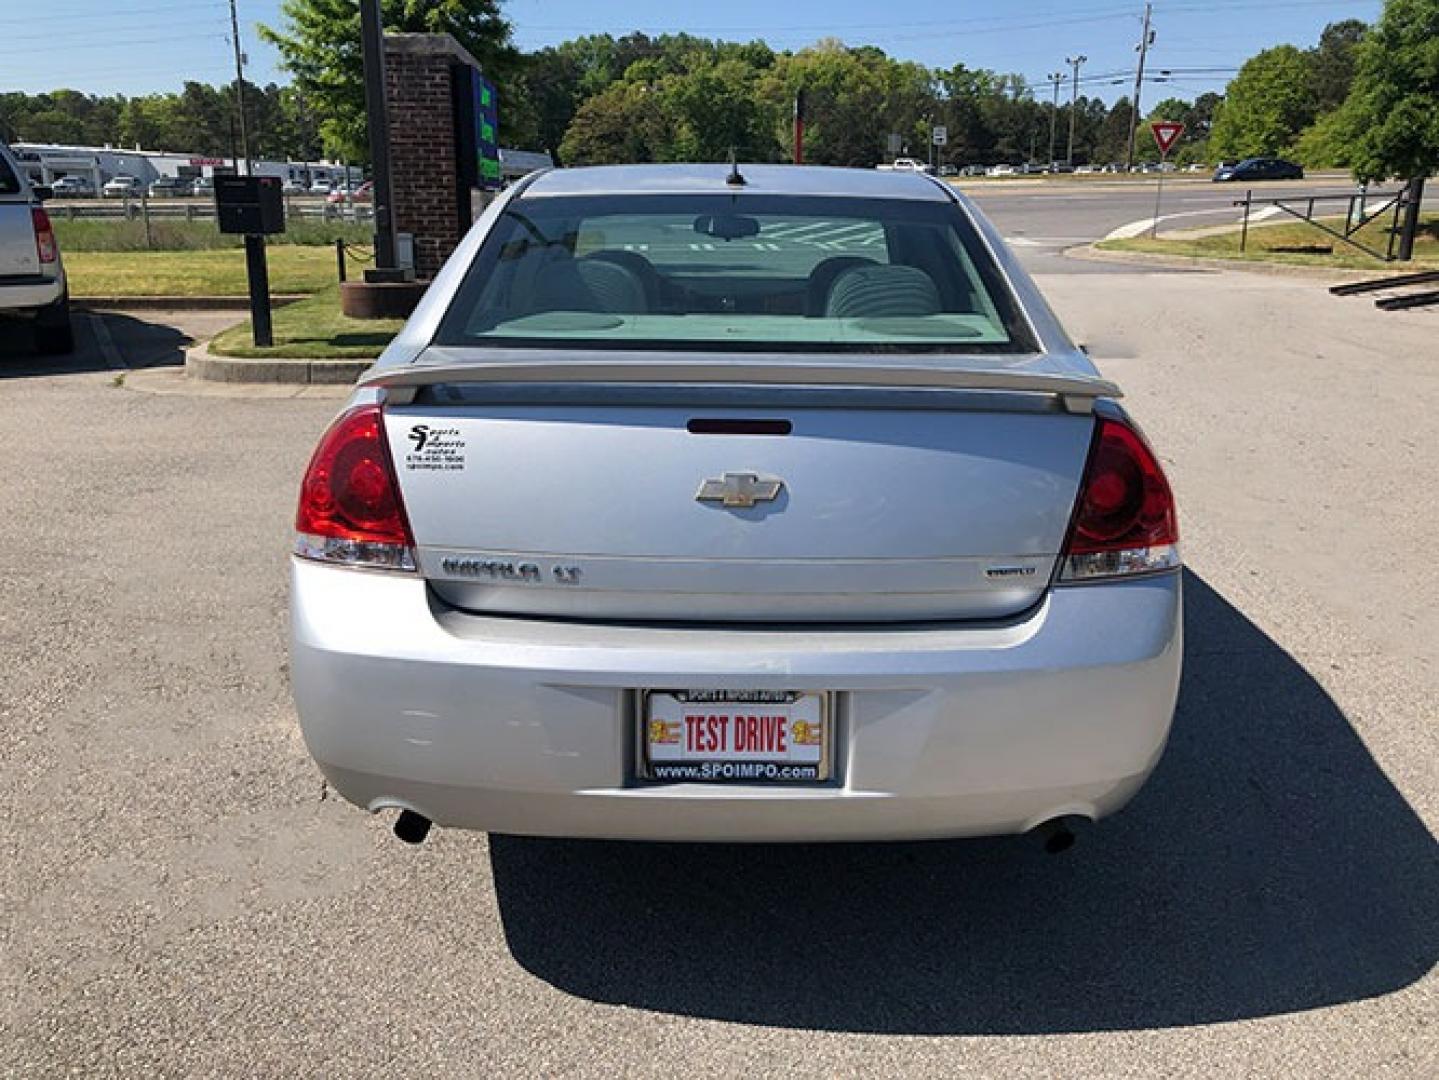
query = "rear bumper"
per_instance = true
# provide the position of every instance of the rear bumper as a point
(29, 292)
(528, 727)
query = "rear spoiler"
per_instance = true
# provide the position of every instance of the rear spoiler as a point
(1076, 391)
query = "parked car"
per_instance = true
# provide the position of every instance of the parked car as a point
(169, 187)
(73, 187)
(32, 276)
(972, 170)
(590, 553)
(294, 187)
(203, 186)
(905, 164)
(122, 187)
(1085, 170)
(948, 170)
(321, 187)
(1260, 168)
(360, 193)
(1001, 170)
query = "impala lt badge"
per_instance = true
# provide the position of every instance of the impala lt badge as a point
(740, 490)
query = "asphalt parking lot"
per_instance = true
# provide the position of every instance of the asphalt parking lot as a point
(179, 894)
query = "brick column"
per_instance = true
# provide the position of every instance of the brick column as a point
(422, 142)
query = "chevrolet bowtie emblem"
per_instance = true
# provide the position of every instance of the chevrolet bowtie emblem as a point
(740, 490)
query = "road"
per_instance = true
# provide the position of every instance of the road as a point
(179, 894)
(1043, 218)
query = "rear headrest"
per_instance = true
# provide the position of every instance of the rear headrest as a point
(878, 291)
(588, 285)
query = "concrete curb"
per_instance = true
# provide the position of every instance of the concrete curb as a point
(200, 363)
(1090, 253)
(175, 382)
(176, 303)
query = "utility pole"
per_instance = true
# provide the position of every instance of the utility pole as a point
(1056, 78)
(240, 87)
(1145, 40)
(1074, 62)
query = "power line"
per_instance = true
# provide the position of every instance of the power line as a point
(97, 32)
(122, 14)
(809, 28)
(114, 42)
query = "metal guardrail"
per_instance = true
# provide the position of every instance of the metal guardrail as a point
(1358, 201)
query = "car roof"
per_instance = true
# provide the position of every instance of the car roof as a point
(759, 179)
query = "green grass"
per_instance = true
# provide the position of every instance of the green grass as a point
(177, 234)
(219, 272)
(1295, 244)
(312, 329)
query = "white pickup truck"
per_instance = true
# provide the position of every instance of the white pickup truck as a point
(905, 164)
(32, 278)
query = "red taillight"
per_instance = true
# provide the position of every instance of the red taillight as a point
(1125, 520)
(45, 244)
(350, 509)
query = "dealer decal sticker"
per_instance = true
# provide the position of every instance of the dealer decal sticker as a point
(435, 449)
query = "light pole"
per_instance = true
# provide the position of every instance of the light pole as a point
(1074, 62)
(1056, 78)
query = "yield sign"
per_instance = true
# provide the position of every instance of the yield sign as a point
(1166, 134)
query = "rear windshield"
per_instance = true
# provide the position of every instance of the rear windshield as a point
(736, 272)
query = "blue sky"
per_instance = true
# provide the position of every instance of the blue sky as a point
(136, 46)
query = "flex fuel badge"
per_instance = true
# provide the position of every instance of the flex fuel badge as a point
(435, 449)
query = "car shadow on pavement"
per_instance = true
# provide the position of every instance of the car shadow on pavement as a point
(1269, 866)
(135, 342)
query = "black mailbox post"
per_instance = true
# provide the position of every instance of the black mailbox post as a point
(252, 206)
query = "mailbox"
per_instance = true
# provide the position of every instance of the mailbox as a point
(249, 204)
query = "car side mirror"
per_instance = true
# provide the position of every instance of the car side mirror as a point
(42, 192)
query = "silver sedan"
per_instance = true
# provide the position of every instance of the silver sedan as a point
(764, 503)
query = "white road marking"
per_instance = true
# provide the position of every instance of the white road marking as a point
(107, 343)
(1143, 225)
(1047, 241)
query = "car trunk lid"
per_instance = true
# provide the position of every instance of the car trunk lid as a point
(604, 491)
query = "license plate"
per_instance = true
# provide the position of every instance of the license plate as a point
(736, 736)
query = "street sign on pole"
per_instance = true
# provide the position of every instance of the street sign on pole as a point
(941, 135)
(1166, 134)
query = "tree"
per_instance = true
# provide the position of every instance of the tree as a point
(1114, 135)
(715, 111)
(1392, 114)
(844, 93)
(1331, 63)
(1266, 106)
(622, 123)
(320, 46)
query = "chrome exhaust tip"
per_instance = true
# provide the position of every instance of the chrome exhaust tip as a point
(1056, 834)
(411, 827)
